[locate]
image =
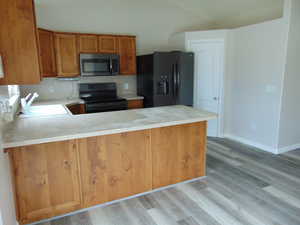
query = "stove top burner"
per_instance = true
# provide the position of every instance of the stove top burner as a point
(101, 97)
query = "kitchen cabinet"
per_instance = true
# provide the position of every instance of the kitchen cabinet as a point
(56, 178)
(177, 153)
(108, 44)
(115, 166)
(87, 43)
(67, 56)
(76, 109)
(47, 53)
(46, 180)
(135, 104)
(127, 52)
(19, 43)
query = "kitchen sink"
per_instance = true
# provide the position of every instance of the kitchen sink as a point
(45, 110)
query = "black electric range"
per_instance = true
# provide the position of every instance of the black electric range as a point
(101, 97)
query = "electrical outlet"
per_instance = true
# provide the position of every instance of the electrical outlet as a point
(270, 88)
(126, 86)
(253, 127)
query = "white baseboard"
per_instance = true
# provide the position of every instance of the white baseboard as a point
(251, 143)
(288, 148)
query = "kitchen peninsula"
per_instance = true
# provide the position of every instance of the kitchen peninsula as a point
(66, 163)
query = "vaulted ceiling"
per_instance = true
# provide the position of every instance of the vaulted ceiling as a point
(153, 21)
(217, 13)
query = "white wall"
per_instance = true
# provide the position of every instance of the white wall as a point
(289, 137)
(254, 73)
(256, 83)
(152, 21)
(7, 208)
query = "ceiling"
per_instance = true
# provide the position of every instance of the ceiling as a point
(216, 13)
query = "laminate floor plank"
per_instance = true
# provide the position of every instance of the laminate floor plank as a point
(191, 208)
(244, 186)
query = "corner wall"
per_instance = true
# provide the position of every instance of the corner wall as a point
(255, 84)
(289, 134)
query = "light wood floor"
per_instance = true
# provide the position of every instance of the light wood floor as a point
(243, 186)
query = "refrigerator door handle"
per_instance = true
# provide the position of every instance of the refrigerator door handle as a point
(174, 79)
(177, 80)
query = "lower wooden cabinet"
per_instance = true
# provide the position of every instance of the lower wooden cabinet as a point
(60, 177)
(178, 153)
(135, 104)
(115, 166)
(46, 180)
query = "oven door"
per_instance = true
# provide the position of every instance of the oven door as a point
(106, 106)
(98, 64)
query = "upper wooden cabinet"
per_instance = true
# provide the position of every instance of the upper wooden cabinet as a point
(127, 51)
(18, 43)
(67, 57)
(108, 44)
(87, 43)
(47, 53)
(68, 46)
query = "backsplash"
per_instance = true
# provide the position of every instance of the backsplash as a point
(53, 88)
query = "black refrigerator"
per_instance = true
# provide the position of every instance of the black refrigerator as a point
(166, 78)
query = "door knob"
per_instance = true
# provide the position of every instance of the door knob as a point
(215, 98)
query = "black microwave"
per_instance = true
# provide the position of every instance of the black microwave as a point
(99, 64)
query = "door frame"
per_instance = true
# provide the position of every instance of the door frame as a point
(190, 43)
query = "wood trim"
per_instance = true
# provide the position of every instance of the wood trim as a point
(78, 33)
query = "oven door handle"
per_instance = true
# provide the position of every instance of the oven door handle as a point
(110, 65)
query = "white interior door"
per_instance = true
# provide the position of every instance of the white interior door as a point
(209, 64)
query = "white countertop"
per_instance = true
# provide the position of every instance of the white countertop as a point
(131, 97)
(38, 130)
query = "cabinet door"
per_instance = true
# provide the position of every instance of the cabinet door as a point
(115, 166)
(88, 43)
(46, 39)
(19, 43)
(46, 180)
(178, 153)
(108, 44)
(135, 104)
(67, 57)
(127, 51)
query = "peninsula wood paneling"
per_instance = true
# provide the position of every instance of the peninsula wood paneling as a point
(115, 166)
(46, 179)
(67, 57)
(47, 53)
(19, 43)
(60, 177)
(178, 153)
